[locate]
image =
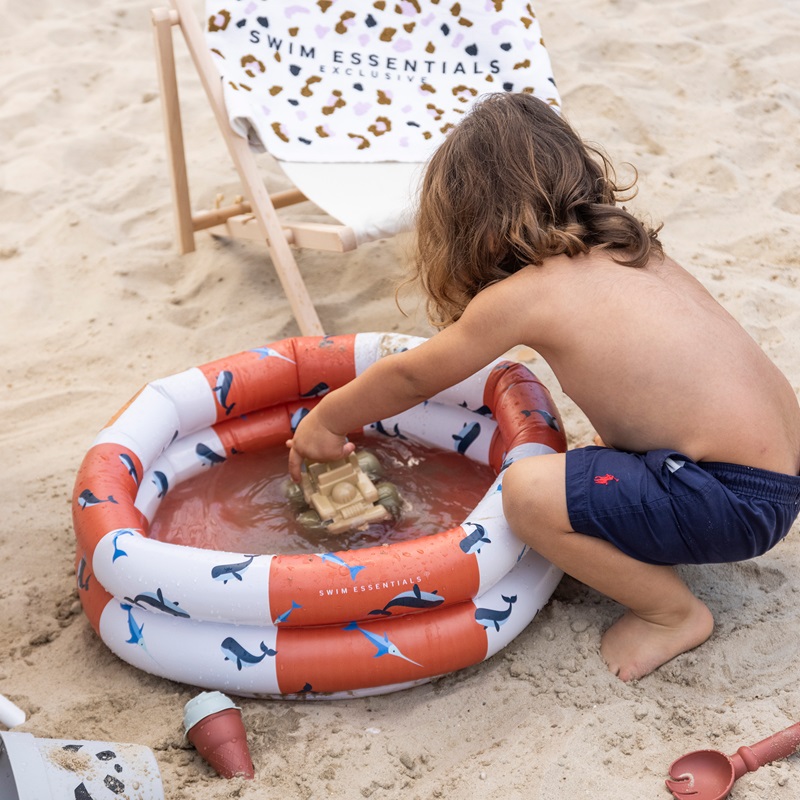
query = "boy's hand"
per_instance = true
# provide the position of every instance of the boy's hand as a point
(313, 441)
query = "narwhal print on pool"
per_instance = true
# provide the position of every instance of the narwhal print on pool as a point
(466, 436)
(285, 615)
(268, 352)
(385, 647)
(332, 558)
(134, 628)
(225, 572)
(242, 657)
(489, 617)
(222, 389)
(158, 603)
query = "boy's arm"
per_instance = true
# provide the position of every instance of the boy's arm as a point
(402, 380)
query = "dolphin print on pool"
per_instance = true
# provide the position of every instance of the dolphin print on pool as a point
(332, 558)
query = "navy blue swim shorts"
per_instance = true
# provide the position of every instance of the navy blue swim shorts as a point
(663, 508)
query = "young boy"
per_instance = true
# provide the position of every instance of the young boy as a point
(520, 241)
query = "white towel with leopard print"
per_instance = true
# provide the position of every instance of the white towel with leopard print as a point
(344, 81)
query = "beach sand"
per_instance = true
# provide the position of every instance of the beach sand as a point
(703, 96)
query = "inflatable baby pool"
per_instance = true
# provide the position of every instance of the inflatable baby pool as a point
(336, 624)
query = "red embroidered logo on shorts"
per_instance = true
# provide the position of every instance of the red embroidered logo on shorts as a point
(604, 480)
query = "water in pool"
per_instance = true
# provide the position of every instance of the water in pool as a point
(241, 506)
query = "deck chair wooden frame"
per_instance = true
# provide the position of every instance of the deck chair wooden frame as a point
(253, 218)
(512, 58)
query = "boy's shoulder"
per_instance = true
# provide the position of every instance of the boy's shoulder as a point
(600, 267)
(571, 273)
(565, 287)
(586, 277)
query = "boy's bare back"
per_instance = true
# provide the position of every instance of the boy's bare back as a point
(653, 360)
(655, 363)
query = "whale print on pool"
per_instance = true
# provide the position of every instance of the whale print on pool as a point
(237, 654)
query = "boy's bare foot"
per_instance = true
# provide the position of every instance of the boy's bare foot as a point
(633, 646)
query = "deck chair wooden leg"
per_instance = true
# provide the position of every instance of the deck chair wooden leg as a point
(279, 249)
(271, 228)
(163, 20)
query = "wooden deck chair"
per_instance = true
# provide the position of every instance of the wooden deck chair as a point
(350, 102)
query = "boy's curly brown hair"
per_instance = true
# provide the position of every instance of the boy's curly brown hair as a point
(512, 185)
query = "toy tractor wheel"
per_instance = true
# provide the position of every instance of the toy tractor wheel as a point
(369, 463)
(310, 521)
(294, 496)
(389, 498)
